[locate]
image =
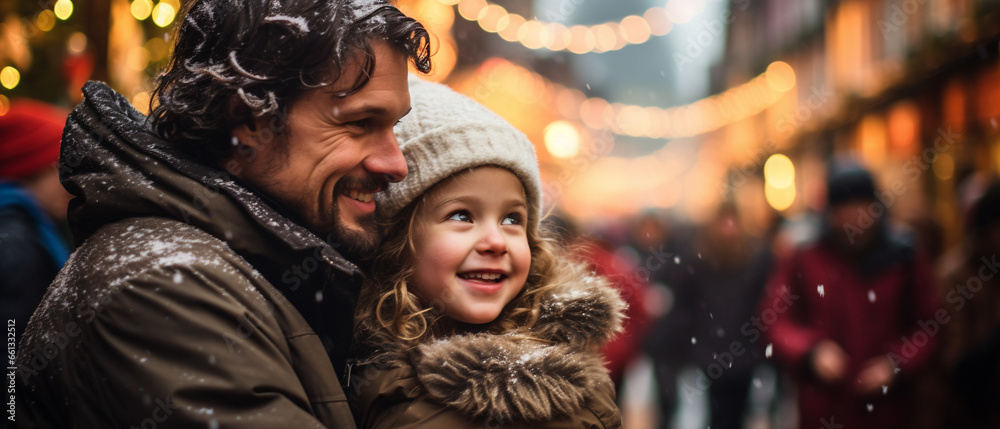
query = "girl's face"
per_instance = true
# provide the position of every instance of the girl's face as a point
(472, 255)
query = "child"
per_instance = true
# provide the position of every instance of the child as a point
(469, 319)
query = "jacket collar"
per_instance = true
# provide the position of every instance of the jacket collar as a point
(530, 375)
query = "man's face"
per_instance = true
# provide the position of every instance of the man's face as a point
(329, 157)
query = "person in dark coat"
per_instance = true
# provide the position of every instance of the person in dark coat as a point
(32, 208)
(215, 278)
(857, 328)
(721, 278)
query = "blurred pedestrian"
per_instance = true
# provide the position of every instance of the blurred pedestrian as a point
(860, 295)
(33, 207)
(971, 341)
(601, 260)
(715, 295)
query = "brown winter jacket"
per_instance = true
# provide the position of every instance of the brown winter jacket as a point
(190, 302)
(486, 380)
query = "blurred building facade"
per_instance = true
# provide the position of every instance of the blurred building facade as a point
(908, 87)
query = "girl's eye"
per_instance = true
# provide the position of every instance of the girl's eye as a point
(461, 216)
(512, 219)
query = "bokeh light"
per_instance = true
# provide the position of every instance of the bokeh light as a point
(562, 140)
(46, 20)
(141, 9)
(779, 171)
(77, 43)
(163, 14)
(10, 77)
(63, 9)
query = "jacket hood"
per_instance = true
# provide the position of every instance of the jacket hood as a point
(118, 168)
(536, 374)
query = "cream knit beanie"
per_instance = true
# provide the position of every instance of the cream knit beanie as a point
(446, 133)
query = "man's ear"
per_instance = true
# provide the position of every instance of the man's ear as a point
(239, 113)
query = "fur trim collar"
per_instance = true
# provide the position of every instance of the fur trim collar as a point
(536, 374)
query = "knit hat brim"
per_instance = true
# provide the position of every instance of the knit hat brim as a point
(447, 133)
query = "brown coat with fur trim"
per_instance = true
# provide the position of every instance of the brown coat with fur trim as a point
(555, 379)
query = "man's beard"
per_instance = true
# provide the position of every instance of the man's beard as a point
(355, 243)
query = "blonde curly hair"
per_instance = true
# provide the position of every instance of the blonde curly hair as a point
(391, 319)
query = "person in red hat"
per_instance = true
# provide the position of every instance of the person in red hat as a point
(32, 203)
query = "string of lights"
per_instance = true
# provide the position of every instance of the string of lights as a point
(578, 39)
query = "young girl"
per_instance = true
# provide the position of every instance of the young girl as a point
(469, 318)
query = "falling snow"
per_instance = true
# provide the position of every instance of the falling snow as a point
(871, 296)
(819, 289)
(768, 349)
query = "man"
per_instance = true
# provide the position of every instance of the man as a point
(211, 287)
(848, 314)
(32, 203)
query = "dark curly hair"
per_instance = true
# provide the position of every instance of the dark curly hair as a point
(263, 54)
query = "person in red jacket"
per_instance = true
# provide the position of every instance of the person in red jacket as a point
(862, 316)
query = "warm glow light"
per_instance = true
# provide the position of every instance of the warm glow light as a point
(4, 104)
(514, 23)
(530, 34)
(163, 14)
(779, 198)
(173, 3)
(779, 171)
(581, 39)
(562, 139)
(157, 48)
(489, 18)
(636, 29)
(141, 9)
(46, 20)
(9, 77)
(604, 36)
(77, 43)
(560, 37)
(63, 9)
(780, 76)
(141, 102)
(138, 58)
(609, 36)
(682, 11)
(944, 166)
(659, 25)
(469, 9)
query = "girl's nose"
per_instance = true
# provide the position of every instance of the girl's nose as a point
(492, 242)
